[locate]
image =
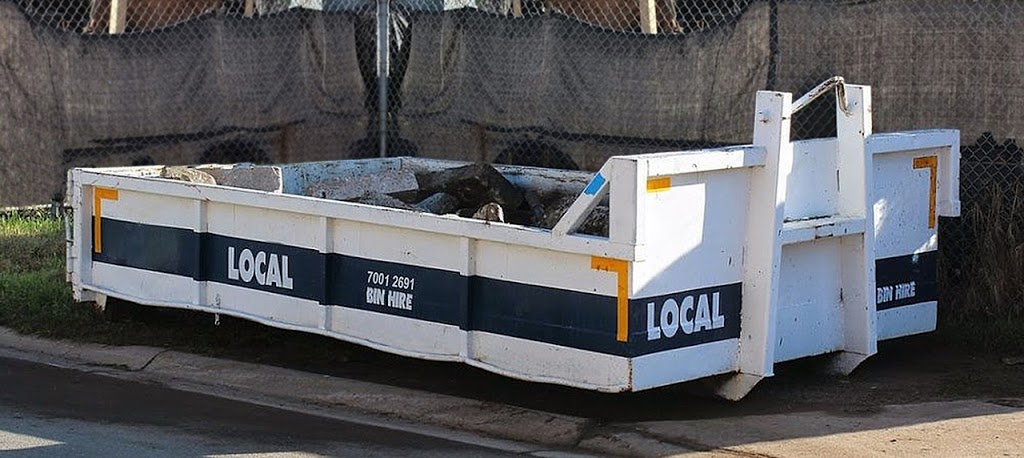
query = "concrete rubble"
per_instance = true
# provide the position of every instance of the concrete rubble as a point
(246, 176)
(380, 199)
(188, 174)
(439, 204)
(472, 191)
(473, 185)
(595, 224)
(491, 212)
(355, 186)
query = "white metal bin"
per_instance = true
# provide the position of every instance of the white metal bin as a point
(721, 261)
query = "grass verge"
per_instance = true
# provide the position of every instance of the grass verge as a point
(981, 272)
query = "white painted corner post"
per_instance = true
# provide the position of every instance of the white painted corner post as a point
(648, 16)
(118, 16)
(762, 251)
(857, 251)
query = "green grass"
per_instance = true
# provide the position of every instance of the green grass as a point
(34, 297)
(981, 273)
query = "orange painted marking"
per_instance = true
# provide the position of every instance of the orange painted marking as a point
(931, 163)
(98, 194)
(621, 268)
(659, 184)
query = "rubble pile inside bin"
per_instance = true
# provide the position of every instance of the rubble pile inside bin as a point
(472, 191)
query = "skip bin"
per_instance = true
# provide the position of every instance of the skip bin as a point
(719, 261)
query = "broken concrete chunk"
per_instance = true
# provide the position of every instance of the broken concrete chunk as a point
(536, 205)
(439, 204)
(473, 185)
(596, 222)
(381, 200)
(188, 174)
(247, 176)
(354, 186)
(554, 211)
(490, 212)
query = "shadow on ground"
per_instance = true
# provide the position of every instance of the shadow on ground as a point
(910, 370)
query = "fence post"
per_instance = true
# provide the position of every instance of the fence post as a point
(648, 16)
(383, 70)
(118, 16)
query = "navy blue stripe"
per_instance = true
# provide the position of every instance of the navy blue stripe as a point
(551, 315)
(302, 269)
(163, 249)
(685, 319)
(398, 289)
(906, 280)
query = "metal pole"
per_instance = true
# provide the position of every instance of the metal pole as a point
(773, 44)
(383, 70)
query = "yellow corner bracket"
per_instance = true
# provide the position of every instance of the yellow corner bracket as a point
(98, 195)
(659, 184)
(932, 164)
(621, 268)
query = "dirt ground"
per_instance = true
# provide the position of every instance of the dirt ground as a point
(909, 370)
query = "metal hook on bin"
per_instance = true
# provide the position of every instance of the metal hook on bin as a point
(836, 82)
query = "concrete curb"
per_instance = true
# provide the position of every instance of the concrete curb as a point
(952, 428)
(279, 386)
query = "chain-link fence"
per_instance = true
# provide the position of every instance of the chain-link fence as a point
(557, 83)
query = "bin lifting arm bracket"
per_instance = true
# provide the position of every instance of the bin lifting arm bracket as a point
(836, 82)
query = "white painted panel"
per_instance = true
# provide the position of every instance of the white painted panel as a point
(141, 207)
(398, 334)
(396, 244)
(907, 320)
(683, 364)
(680, 162)
(543, 362)
(447, 224)
(265, 225)
(267, 306)
(885, 143)
(901, 205)
(144, 283)
(810, 319)
(696, 232)
(813, 185)
(542, 268)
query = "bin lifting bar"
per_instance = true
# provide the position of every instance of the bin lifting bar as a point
(837, 82)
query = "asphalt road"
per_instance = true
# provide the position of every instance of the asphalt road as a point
(49, 411)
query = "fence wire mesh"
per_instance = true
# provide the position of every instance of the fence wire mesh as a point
(554, 83)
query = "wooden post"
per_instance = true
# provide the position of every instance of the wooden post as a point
(517, 8)
(250, 8)
(648, 16)
(118, 15)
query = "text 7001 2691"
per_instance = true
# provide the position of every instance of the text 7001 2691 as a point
(387, 290)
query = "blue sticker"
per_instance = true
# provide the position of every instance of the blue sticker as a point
(595, 185)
